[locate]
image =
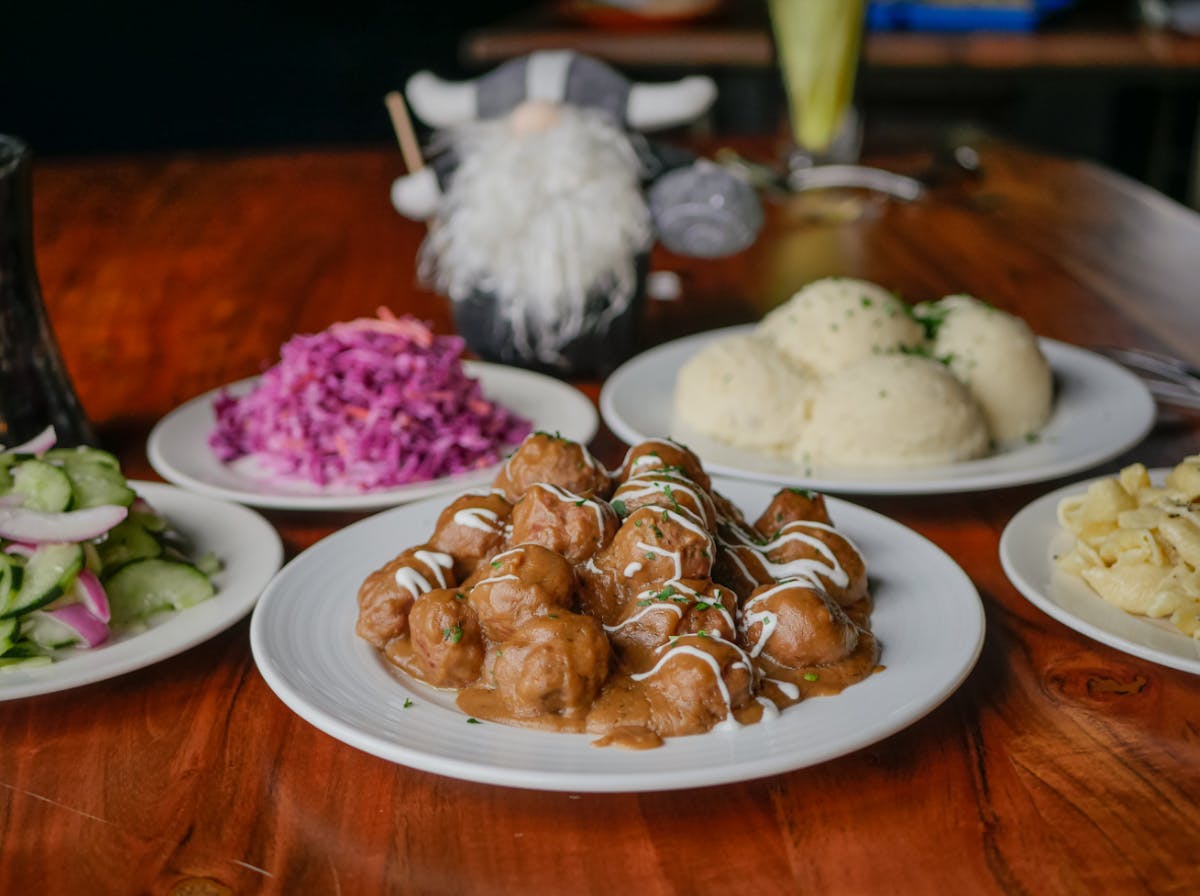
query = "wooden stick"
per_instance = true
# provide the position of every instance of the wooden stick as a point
(405, 135)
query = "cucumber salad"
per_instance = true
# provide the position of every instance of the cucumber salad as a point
(81, 553)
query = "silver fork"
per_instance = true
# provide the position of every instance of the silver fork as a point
(1171, 380)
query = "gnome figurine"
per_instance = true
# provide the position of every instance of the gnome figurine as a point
(544, 200)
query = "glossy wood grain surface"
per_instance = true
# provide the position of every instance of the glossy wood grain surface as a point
(1060, 766)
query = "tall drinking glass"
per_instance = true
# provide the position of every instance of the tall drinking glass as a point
(817, 43)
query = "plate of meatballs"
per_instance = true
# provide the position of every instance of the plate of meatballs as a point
(648, 628)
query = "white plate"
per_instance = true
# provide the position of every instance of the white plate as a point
(250, 552)
(1027, 548)
(178, 446)
(928, 619)
(1100, 410)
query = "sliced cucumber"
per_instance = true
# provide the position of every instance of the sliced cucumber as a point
(24, 654)
(44, 486)
(144, 587)
(8, 634)
(125, 542)
(46, 631)
(149, 518)
(84, 453)
(7, 583)
(94, 483)
(48, 574)
(16, 662)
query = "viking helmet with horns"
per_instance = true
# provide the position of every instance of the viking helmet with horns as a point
(560, 76)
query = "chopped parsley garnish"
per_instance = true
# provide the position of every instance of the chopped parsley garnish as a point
(407, 703)
(930, 317)
(453, 635)
(666, 593)
(1031, 437)
(803, 492)
(811, 676)
(619, 506)
(670, 493)
(580, 502)
(649, 555)
(474, 721)
(495, 564)
(458, 595)
(645, 602)
(658, 533)
(702, 633)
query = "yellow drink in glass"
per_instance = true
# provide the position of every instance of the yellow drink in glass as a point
(817, 43)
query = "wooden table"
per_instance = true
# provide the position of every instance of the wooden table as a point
(1060, 766)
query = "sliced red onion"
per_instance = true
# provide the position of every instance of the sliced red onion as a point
(40, 527)
(88, 630)
(20, 549)
(91, 595)
(39, 444)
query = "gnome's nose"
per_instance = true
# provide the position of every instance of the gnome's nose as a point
(534, 117)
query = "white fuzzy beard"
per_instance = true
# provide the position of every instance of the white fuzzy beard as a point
(541, 222)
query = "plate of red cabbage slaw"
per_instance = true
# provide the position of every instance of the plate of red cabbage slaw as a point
(364, 414)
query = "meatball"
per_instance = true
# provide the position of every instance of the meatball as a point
(796, 625)
(790, 505)
(653, 546)
(386, 595)
(447, 642)
(655, 454)
(731, 525)
(742, 568)
(558, 461)
(470, 528)
(696, 683)
(517, 585)
(665, 489)
(821, 554)
(552, 666)
(682, 607)
(567, 523)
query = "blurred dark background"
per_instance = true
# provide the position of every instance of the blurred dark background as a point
(80, 79)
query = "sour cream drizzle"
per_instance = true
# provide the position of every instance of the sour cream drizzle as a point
(642, 486)
(666, 605)
(478, 518)
(504, 578)
(768, 619)
(416, 584)
(729, 722)
(807, 568)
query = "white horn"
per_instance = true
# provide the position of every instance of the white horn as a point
(654, 106)
(441, 104)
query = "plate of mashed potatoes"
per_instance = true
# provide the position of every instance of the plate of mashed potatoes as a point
(847, 388)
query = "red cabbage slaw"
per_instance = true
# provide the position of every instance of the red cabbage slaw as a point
(366, 404)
